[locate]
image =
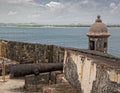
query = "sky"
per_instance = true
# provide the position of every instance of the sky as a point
(59, 11)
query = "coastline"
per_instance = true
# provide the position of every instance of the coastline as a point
(51, 26)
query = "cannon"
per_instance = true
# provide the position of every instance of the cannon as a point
(20, 70)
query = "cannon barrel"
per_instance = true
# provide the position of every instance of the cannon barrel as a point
(20, 70)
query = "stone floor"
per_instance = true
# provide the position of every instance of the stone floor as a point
(11, 85)
(17, 86)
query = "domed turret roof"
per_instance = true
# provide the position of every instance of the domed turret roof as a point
(98, 28)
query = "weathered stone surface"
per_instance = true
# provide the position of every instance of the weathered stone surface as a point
(58, 54)
(42, 53)
(35, 83)
(57, 77)
(89, 76)
(59, 88)
(31, 53)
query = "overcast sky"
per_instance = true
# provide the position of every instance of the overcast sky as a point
(59, 11)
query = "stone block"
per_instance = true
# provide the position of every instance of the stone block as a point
(59, 88)
(57, 77)
(35, 83)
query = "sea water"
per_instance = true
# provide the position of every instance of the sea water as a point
(68, 37)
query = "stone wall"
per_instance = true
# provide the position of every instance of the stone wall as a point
(92, 73)
(88, 71)
(31, 53)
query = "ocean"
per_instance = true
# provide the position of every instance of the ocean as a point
(68, 37)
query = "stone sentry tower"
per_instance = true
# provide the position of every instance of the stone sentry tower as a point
(98, 36)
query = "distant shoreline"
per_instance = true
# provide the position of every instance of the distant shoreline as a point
(37, 25)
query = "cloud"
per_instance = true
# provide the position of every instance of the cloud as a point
(53, 4)
(59, 11)
(85, 2)
(19, 1)
(11, 13)
(114, 7)
(26, 2)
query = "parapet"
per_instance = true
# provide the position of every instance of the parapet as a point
(88, 71)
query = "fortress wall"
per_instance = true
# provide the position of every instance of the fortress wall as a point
(31, 53)
(88, 71)
(92, 74)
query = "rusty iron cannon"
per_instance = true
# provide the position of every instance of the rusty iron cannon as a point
(19, 70)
